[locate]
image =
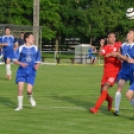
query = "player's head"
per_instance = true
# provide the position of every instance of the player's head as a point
(7, 30)
(29, 38)
(111, 38)
(22, 35)
(130, 35)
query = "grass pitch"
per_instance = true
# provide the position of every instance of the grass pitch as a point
(63, 95)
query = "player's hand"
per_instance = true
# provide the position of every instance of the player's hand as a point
(5, 44)
(102, 42)
(113, 54)
(24, 65)
(36, 67)
(108, 55)
(130, 60)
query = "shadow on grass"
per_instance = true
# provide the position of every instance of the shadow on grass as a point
(86, 105)
(3, 79)
(126, 116)
(122, 115)
(77, 102)
(7, 102)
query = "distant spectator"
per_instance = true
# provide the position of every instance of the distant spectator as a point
(16, 45)
(21, 39)
(91, 55)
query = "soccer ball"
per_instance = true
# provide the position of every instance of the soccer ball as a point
(130, 13)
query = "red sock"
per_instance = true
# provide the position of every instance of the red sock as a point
(108, 98)
(101, 99)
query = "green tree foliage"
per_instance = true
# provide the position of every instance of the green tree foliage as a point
(49, 18)
(70, 18)
(16, 12)
(109, 15)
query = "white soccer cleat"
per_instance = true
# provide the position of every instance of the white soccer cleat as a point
(18, 109)
(33, 102)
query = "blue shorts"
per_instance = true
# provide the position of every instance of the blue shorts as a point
(123, 74)
(8, 55)
(30, 79)
(131, 78)
(131, 87)
(91, 57)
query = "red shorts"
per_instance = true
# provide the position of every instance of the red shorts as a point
(109, 77)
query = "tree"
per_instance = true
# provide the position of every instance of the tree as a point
(16, 12)
(49, 18)
(109, 15)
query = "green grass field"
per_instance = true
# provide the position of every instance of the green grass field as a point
(63, 95)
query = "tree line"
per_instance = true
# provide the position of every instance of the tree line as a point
(84, 19)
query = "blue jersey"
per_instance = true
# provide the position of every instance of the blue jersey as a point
(127, 50)
(10, 43)
(29, 55)
(90, 53)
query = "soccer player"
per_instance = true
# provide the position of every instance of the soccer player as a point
(21, 39)
(1, 52)
(7, 43)
(111, 68)
(130, 92)
(28, 58)
(127, 50)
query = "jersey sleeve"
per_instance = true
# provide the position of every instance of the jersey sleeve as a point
(103, 51)
(2, 40)
(38, 57)
(15, 41)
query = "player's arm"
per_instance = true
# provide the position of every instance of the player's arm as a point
(3, 45)
(16, 61)
(118, 55)
(130, 60)
(36, 66)
(20, 63)
(38, 60)
(122, 57)
(102, 42)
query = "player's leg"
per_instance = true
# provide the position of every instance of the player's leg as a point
(20, 96)
(109, 99)
(91, 60)
(95, 59)
(30, 82)
(101, 99)
(121, 85)
(130, 93)
(111, 78)
(29, 94)
(8, 68)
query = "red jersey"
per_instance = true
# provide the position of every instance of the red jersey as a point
(111, 63)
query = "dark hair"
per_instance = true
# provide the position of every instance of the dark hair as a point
(110, 33)
(21, 32)
(26, 35)
(7, 27)
(131, 30)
